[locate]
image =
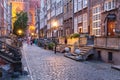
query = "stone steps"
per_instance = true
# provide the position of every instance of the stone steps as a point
(117, 67)
(84, 53)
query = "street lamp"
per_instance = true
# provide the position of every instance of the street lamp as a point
(19, 32)
(55, 25)
(32, 34)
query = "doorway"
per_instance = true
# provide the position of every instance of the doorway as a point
(110, 56)
(111, 27)
(111, 24)
(99, 55)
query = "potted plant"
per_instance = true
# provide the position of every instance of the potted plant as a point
(50, 46)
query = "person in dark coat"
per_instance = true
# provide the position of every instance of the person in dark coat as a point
(65, 40)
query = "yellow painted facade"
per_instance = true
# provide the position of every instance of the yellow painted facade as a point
(16, 7)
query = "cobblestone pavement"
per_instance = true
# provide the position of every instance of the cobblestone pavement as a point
(45, 65)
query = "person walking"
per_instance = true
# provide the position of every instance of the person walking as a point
(35, 41)
(31, 41)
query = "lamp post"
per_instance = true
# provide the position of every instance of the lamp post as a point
(19, 34)
(38, 15)
(55, 25)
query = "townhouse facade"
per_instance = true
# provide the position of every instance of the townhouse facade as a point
(43, 19)
(28, 6)
(1, 15)
(50, 11)
(59, 17)
(68, 17)
(81, 16)
(106, 27)
(98, 18)
(5, 18)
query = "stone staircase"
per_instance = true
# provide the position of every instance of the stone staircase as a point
(85, 52)
(11, 55)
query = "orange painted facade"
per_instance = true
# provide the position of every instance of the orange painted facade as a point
(32, 20)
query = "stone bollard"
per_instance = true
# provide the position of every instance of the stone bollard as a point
(77, 51)
(67, 51)
(78, 57)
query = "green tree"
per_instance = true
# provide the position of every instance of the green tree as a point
(20, 23)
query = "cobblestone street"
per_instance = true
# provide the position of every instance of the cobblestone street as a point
(45, 65)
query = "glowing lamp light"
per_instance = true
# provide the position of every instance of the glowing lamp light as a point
(19, 32)
(54, 24)
(32, 34)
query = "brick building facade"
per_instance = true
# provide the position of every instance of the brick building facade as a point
(68, 17)
(81, 16)
(98, 18)
(105, 26)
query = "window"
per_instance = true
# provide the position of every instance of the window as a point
(96, 18)
(48, 4)
(80, 19)
(75, 6)
(85, 3)
(65, 9)
(85, 27)
(48, 16)
(60, 21)
(109, 5)
(70, 6)
(80, 4)
(75, 25)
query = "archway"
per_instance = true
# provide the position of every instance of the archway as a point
(111, 19)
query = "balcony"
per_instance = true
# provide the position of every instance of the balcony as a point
(112, 43)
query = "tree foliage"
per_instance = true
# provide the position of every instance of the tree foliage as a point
(20, 22)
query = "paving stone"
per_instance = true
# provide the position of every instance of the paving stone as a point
(45, 65)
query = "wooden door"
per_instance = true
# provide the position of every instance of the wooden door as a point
(111, 27)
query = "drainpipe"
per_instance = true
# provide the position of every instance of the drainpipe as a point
(88, 5)
(73, 16)
(38, 15)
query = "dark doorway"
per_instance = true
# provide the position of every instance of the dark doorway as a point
(80, 30)
(110, 56)
(90, 57)
(99, 55)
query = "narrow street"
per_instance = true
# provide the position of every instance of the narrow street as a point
(45, 65)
